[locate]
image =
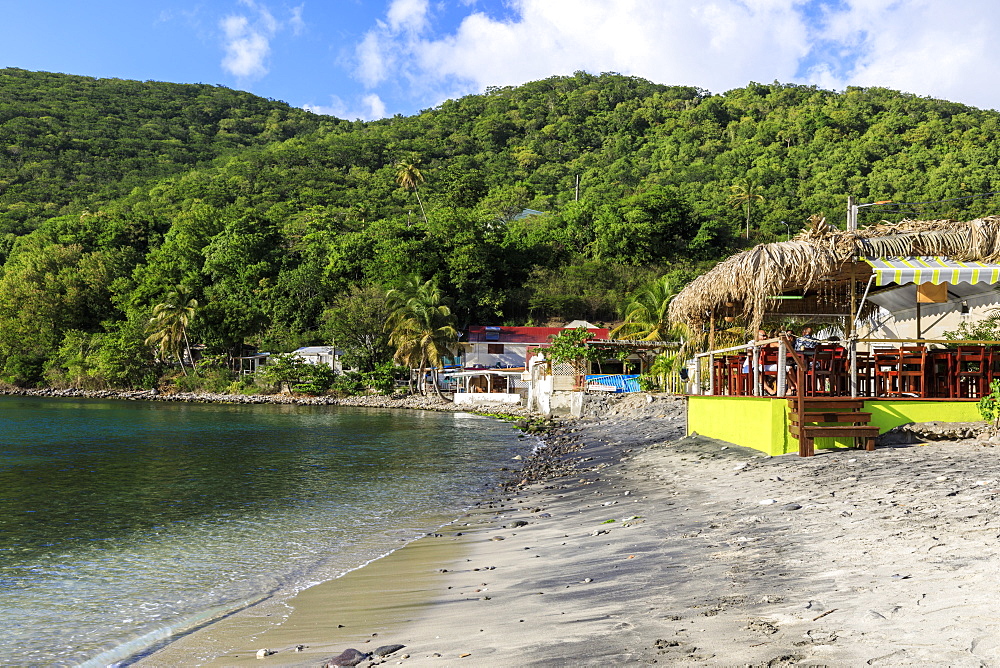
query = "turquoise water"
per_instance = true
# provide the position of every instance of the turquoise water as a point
(124, 523)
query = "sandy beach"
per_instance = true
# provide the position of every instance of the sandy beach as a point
(635, 545)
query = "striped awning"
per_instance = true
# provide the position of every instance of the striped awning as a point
(936, 270)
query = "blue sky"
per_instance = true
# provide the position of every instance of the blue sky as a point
(368, 59)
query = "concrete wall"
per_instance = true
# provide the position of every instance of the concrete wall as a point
(490, 398)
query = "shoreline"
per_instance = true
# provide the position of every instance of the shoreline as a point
(411, 402)
(636, 545)
(395, 595)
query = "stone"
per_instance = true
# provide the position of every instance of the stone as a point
(261, 653)
(386, 650)
(349, 657)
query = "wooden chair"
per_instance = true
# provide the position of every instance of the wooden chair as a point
(827, 375)
(970, 371)
(739, 381)
(769, 369)
(941, 373)
(866, 383)
(719, 380)
(886, 370)
(913, 370)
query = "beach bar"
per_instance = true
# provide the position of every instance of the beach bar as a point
(848, 389)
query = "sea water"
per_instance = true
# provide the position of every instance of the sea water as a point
(123, 524)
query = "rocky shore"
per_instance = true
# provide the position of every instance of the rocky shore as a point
(413, 402)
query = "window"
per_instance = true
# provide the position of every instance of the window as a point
(494, 348)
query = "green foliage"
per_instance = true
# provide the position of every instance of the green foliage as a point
(987, 329)
(283, 225)
(989, 404)
(568, 346)
(655, 378)
(294, 373)
(355, 321)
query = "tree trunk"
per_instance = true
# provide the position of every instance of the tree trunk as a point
(437, 388)
(422, 213)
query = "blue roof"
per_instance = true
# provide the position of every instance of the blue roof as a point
(528, 212)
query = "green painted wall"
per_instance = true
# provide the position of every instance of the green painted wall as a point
(762, 424)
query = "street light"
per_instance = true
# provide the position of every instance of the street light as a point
(788, 231)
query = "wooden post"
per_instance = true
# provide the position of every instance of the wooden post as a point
(711, 373)
(755, 358)
(711, 329)
(852, 378)
(782, 368)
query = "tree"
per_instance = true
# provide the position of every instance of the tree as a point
(408, 177)
(745, 194)
(356, 322)
(645, 314)
(168, 326)
(421, 327)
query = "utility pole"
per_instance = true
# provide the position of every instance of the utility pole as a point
(852, 214)
(577, 197)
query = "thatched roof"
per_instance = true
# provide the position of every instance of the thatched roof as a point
(820, 261)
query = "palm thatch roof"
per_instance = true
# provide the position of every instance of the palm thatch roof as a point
(820, 262)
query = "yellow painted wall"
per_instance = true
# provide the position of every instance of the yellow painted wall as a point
(762, 424)
(754, 422)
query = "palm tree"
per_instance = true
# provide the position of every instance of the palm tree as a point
(408, 177)
(421, 327)
(646, 313)
(746, 194)
(168, 326)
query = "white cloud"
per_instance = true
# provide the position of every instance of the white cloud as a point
(940, 50)
(247, 38)
(371, 107)
(410, 15)
(246, 48)
(925, 47)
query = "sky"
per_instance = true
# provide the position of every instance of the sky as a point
(375, 58)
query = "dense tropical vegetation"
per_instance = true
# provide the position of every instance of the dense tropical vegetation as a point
(287, 228)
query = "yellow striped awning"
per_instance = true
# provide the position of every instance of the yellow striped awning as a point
(936, 270)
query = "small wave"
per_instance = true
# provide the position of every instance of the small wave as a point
(131, 651)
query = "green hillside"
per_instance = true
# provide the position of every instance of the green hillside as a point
(303, 220)
(67, 142)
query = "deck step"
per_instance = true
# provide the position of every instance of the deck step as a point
(831, 404)
(834, 431)
(830, 416)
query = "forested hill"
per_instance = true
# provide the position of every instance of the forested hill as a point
(280, 242)
(72, 141)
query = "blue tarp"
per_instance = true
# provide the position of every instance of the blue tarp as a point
(621, 383)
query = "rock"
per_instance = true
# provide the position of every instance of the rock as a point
(261, 653)
(791, 506)
(497, 538)
(349, 657)
(386, 650)
(518, 523)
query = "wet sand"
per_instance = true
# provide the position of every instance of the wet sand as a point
(677, 551)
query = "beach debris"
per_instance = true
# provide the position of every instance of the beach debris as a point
(349, 657)
(300, 648)
(386, 650)
(261, 653)
(767, 502)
